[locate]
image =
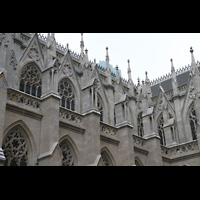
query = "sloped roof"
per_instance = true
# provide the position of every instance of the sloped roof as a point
(167, 85)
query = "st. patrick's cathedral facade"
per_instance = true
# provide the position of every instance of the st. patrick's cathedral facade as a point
(58, 108)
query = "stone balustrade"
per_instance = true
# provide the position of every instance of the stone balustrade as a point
(23, 98)
(139, 141)
(71, 116)
(107, 129)
(180, 149)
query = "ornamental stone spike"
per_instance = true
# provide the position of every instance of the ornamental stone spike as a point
(129, 70)
(194, 70)
(82, 45)
(172, 66)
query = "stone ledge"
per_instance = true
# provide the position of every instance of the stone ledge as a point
(141, 151)
(72, 127)
(22, 111)
(109, 139)
(180, 158)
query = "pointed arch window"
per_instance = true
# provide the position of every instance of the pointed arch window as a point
(15, 148)
(161, 130)
(67, 94)
(68, 159)
(98, 103)
(30, 80)
(193, 122)
(140, 125)
(105, 158)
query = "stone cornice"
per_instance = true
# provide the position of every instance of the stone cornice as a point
(72, 127)
(23, 111)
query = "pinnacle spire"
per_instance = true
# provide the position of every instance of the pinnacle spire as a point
(172, 66)
(192, 56)
(129, 70)
(107, 60)
(82, 45)
(194, 70)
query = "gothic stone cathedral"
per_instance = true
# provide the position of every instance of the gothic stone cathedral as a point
(59, 108)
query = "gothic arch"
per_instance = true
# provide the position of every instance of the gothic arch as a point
(35, 84)
(185, 119)
(108, 156)
(32, 149)
(75, 91)
(72, 147)
(140, 128)
(160, 129)
(138, 161)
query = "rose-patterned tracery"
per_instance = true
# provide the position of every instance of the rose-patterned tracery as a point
(30, 80)
(67, 95)
(67, 155)
(15, 148)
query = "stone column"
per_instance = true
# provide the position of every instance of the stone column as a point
(91, 123)
(177, 106)
(3, 98)
(49, 135)
(126, 150)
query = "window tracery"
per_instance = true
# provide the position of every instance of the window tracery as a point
(193, 122)
(140, 125)
(161, 130)
(105, 159)
(68, 159)
(15, 148)
(30, 80)
(99, 105)
(67, 95)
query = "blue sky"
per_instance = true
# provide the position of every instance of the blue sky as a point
(149, 52)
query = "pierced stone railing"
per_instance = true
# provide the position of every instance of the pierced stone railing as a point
(107, 129)
(71, 116)
(139, 141)
(23, 98)
(180, 149)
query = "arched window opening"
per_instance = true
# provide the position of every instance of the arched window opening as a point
(68, 159)
(140, 125)
(67, 95)
(15, 148)
(137, 163)
(30, 80)
(105, 159)
(99, 104)
(161, 130)
(193, 122)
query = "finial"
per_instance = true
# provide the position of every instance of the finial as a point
(67, 46)
(171, 60)
(191, 50)
(107, 51)
(117, 67)
(81, 36)
(146, 75)
(86, 51)
(95, 61)
(142, 82)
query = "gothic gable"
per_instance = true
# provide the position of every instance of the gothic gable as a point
(33, 52)
(163, 103)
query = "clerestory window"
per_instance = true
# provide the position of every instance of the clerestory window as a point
(30, 80)
(67, 95)
(161, 130)
(193, 122)
(140, 125)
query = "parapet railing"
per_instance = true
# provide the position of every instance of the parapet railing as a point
(71, 116)
(139, 140)
(107, 129)
(180, 149)
(23, 98)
